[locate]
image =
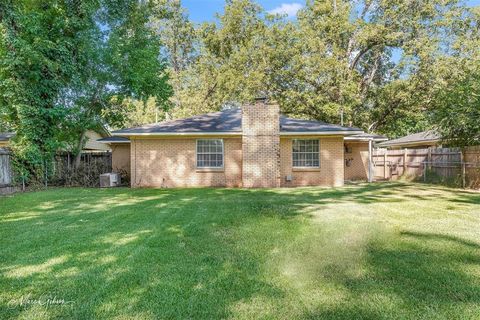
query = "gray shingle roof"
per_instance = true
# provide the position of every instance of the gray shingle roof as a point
(425, 136)
(223, 121)
(228, 121)
(5, 136)
(297, 125)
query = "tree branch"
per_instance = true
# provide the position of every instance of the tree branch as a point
(366, 81)
(360, 55)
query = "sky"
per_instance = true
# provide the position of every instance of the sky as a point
(204, 10)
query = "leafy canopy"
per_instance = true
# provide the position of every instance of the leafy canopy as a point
(64, 64)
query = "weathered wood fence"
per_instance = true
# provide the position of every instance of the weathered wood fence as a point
(67, 173)
(449, 165)
(5, 172)
(471, 156)
(64, 171)
(5, 175)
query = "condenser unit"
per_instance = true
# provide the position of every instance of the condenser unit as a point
(108, 180)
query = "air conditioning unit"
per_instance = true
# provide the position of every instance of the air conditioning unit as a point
(108, 180)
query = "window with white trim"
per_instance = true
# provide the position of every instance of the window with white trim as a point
(209, 153)
(306, 153)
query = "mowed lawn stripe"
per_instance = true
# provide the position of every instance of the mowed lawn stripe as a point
(386, 250)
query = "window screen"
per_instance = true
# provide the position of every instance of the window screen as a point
(210, 153)
(306, 153)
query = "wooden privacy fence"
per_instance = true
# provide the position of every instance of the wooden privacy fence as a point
(67, 173)
(451, 165)
(62, 172)
(471, 156)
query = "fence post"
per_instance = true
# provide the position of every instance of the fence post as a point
(370, 161)
(404, 161)
(463, 175)
(424, 171)
(429, 159)
(385, 165)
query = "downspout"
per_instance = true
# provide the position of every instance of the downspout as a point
(370, 177)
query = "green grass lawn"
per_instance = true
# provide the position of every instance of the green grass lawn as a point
(380, 251)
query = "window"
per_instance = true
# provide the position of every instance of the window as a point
(306, 153)
(210, 153)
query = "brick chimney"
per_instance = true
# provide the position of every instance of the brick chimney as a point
(261, 145)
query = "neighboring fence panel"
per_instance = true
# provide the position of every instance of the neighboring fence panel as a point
(6, 175)
(445, 164)
(5, 168)
(471, 156)
(67, 173)
(63, 172)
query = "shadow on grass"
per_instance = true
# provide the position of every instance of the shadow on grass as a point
(156, 254)
(195, 253)
(441, 237)
(421, 276)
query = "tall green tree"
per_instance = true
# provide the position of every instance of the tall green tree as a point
(179, 38)
(456, 108)
(63, 63)
(371, 60)
(376, 62)
(229, 64)
(124, 63)
(38, 54)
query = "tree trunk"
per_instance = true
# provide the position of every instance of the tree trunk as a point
(78, 156)
(368, 79)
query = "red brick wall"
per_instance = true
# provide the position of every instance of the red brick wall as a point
(172, 163)
(358, 169)
(330, 173)
(121, 157)
(261, 146)
(259, 158)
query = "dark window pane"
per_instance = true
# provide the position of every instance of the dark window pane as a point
(305, 153)
(209, 153)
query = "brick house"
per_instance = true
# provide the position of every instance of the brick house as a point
(254, 146)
